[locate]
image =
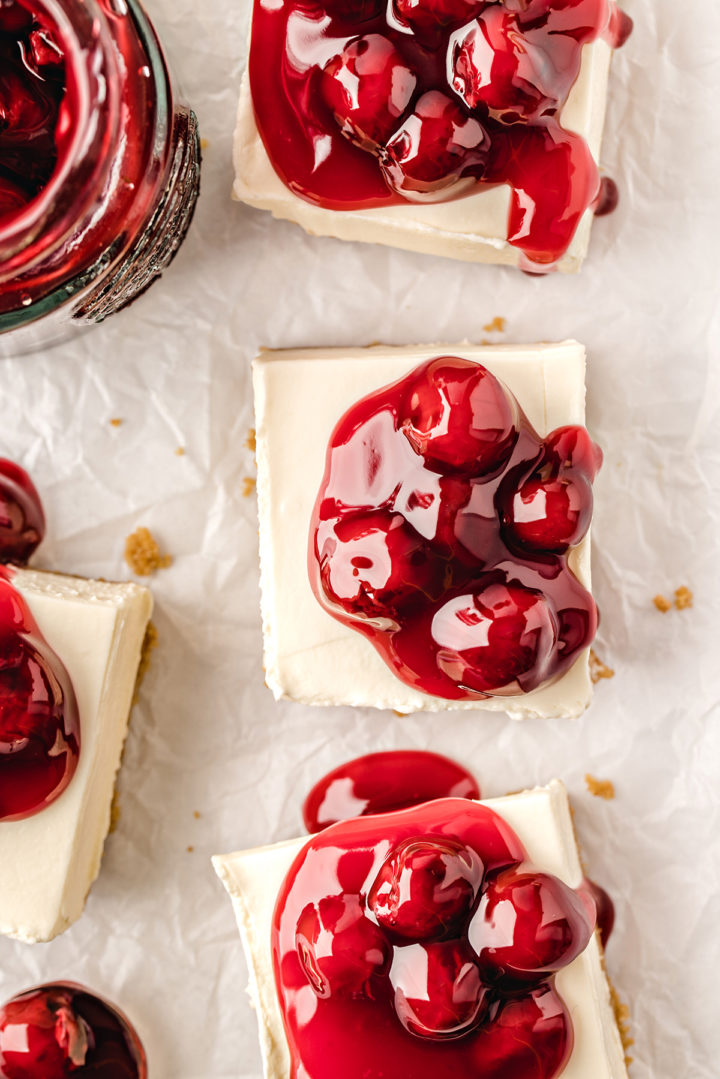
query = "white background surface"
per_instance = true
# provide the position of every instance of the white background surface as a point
(158, 934)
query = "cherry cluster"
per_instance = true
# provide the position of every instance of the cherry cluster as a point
(441, 939)
(34, 120)
(423, 96)
(442, 531)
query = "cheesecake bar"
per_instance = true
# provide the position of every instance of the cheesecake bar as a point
(50, 859)
(541, 820)
(299, 397)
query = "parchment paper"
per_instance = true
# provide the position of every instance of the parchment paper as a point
(158, 934)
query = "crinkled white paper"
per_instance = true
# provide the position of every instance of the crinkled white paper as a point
(158, 935)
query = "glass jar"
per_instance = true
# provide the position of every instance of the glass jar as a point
(125, 182)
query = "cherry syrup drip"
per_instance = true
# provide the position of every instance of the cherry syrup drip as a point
(605, 909)
(608, 198)
(33, 114)
(363, 103)
(39, 722)
(63, 1029)
(421, 943)
(382, 782)
(442, 531)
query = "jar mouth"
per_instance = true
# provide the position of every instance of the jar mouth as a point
(93, 96)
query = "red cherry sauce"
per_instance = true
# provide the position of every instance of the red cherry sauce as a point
(22, 520)
(366, 103)
(605, 909)
(34, 118)
(63, 1029)
(442, 530)
(381, 782)
(403, 945)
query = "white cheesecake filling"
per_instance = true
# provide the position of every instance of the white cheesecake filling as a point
(541, 818)
(473, 229)
(50, 860)
(299, 397)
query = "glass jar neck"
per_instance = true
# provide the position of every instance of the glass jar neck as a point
(85, 153)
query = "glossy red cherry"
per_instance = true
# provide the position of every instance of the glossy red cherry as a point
(581, 20)
(495, 65)
(604, 907)
(430, 153)
(425, 17)
(27, 113)
(439, 993)
(529, 925)
(62, 1030)
(340, 949)
(572, 448)
(377, 565)
(552, 514)
(426, 888)
(43, 53)
(459, 417)
(368, 87)
(22, 521)
(497, 638)
(529, 1035)
(12, 197)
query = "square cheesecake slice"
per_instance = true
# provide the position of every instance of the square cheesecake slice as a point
(299, 397)
(541, 819)
(472, 229)
(50, 860)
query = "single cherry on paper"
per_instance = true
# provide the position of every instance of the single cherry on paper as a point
(22, 520)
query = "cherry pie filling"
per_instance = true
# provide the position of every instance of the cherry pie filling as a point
(63, 1029)
(422, 943)
(443, 529)
(39, 720)
(368, 103)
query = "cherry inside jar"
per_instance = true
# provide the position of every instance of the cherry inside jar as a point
(99, 166)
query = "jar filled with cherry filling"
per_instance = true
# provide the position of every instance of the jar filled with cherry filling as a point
(99, 164)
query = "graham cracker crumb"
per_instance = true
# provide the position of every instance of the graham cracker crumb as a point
(601, 788)
(496, 326)
(115, 812)
(622, 1018)
(251, 440)
(149, 643)
(662, 604)
(142, 553)
(116, 422)
(683, 598)
(190, 850)
(180, 451)
(249, 485)
(598, 670)
(204, 144)
(196, 814)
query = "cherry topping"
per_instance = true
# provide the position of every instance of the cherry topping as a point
(340, 950)
(22, 521)
(426, 16)
(428, 155)
(459, 417)
(368, 87)
(489, 640)
(60, 1030)
(605, 909)
(528, 925)
(494, 65)
(14, 18)
(439, 992)
(380, 782)
(377, 565)
(552, 514)
(530, 1035)
(426, 888)
(13, 198)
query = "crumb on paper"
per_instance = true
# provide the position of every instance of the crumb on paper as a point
(190, 850)
(149, 644)
(249, 485)
(115, 812)
(251, 440)
(204, 143)
(662, 604)
(622, 1018)
(180, 451)
(598, 669)
(683, 598)
(601, 788)
(196, 814)
(496, 326)
(142, 553)
(116, 422)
